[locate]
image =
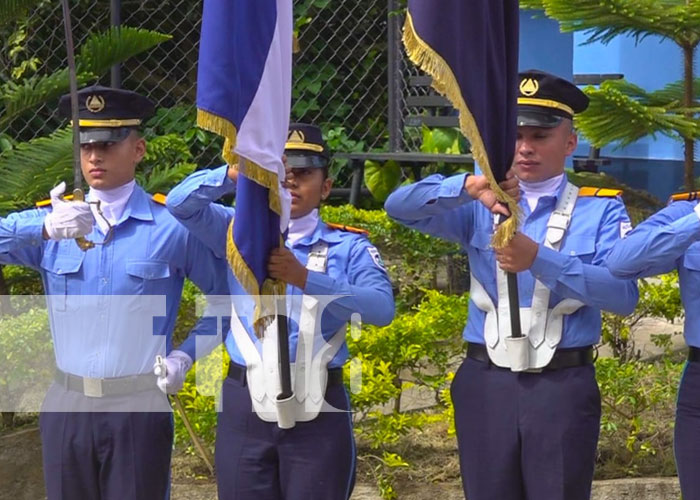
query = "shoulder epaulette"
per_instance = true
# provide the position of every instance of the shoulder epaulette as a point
(46, 203)
(350, 229)
(596, 192)
(159, 198)
(691, 196)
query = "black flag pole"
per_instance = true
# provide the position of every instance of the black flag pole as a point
(284, 364)
(513, 296)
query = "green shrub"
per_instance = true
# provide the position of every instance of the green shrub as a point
(413, 259)
(416, 350)
(636, 429)
(26, 358)
(658, 298)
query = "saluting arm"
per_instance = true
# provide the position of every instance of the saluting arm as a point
(655, 246)
(191, 203)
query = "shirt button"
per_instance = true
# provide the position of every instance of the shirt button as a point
(573, 252)
(104, 281)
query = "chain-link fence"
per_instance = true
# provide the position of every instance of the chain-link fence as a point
(341, 77)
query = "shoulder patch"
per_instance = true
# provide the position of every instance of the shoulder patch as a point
(350, 229)
(376, 258)
(691, 196)
(46, 203)
(595, 192)
(159, 198)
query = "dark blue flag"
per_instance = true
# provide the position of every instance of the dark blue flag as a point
(470, 49)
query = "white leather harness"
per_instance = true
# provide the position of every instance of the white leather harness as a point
(542, 327)
(309, 372)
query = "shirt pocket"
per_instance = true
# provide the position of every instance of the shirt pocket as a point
(481, 240)
(579, 246)
(61, 278)
(148, 277)
(691, 259)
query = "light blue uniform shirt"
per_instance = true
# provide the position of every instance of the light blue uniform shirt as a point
(441, 207)
(352, 271)
(113, 308)
(666, 241)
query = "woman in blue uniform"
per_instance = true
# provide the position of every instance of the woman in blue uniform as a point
(332, 274)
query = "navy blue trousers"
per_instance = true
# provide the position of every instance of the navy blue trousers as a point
(256, 460)
(104, 455)
(687, 432)
(527, 436)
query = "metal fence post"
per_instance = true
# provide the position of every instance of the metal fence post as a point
(393, 75)
(115, 18)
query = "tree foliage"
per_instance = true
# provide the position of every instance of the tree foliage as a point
(603, 20)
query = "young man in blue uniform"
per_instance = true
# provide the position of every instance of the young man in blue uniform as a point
(106, 426)
(668, 240)
(315, 459)
(527, 411)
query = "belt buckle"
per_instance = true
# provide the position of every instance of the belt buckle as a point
(92, 387)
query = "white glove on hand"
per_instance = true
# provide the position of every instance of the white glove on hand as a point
(68, 219)
(171, 374)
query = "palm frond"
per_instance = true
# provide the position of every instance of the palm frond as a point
(101, 51)
(12, 10)
(622, 112)
(162, 178)
(31, 169)
(32, 92)
(674, 92)
(603, 20)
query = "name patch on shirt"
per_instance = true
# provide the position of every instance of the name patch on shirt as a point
(376, 258)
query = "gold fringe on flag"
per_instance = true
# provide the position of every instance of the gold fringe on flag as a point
(263, 295)
(254, 172)
(445, 82)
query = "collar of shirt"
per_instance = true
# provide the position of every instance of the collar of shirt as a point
(302, 227)
(533, 191)
(112, 202)
(320, 232)
(138, 206)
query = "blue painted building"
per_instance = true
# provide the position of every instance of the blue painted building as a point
(652, 164)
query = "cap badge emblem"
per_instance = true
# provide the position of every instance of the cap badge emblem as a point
(529, 87)
(95, 103)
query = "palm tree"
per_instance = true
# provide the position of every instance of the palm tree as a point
(621, 111)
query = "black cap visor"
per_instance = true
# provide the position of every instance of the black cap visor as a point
(91, 135)
(537, 117)
(297, 160)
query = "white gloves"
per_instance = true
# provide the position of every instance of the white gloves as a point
(68, 219)
(697, 209)
(171, 371)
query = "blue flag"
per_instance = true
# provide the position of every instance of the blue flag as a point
(470, 49)
(244, 94)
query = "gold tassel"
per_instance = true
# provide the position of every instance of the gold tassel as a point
(445, 82)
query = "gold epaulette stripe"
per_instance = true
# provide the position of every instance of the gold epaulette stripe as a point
(46, 203)
(691, 196)
(599, 192)
(159, 198)
(349, 229)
